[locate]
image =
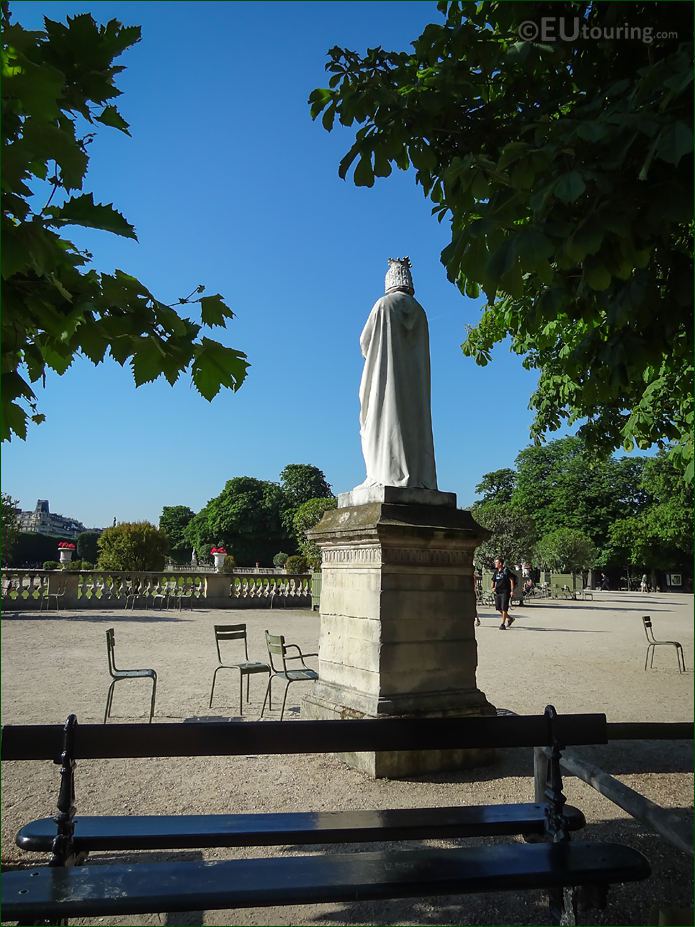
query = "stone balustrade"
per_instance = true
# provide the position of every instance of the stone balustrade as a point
(26, 590)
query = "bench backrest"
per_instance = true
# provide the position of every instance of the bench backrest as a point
(94, 741)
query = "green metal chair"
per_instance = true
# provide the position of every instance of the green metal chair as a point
(132, 592)
(236, 632)
(652, 644)
(277, 652)
(117, 675)
(48, 595)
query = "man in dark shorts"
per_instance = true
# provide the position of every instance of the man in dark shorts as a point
(503, 584)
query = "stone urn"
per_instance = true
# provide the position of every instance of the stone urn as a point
(65, 554)
(218, 556)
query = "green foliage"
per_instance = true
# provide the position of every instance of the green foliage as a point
(307, 516)
(513, 534)
(51, 564)
(173, 522)
(636, 511)
(296, 564)
(31, 548)
(73, 566)
(87, 545)
(565, 172)
(280, 559)
(567, 484)
(566, 550)
(228, 564)
(245, 517)
(57, 88)
(132, 546)
(9, 525)
(660, 535)
(497, 486)
(300, 483)
(87, 565)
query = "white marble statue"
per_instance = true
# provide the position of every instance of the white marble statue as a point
(395, 415)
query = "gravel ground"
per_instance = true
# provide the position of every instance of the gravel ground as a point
(581, 656)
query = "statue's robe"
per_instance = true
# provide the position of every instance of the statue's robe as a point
(395, 413)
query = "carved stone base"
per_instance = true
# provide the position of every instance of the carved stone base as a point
(397, 624)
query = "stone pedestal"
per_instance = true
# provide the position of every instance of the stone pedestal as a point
(397, 620)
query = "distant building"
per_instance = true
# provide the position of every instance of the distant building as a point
(43, 521)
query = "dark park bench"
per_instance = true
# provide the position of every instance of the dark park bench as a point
(572, 872)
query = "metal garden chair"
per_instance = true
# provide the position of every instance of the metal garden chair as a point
(132, 592)
(652, 644)
(277, 653)
(117, 675)
(48, 595)
(236, 632)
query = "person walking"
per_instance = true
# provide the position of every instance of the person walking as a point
(503, 584)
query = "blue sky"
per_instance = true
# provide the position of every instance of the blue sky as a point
(229, 183)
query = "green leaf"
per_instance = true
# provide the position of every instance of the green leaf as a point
(569, 187)
(92, 343)
(318, 100)
(216, 366)
(14, 421)
(512, 152)
(534, 249)
(58, 143)
(675, 141)
(214, 310)
(593, 131)
(37, 87)
(345, 163)
(364, 176)
(56, 360)
(586, 240)
(596, 275)
(110, 116)
(82, 210)
(502, 260)
(147, 360)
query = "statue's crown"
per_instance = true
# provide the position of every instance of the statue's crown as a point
(398, 274)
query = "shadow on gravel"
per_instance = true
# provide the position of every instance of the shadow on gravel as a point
(95, 618)
(591, 606)
(640, 756)
(526, 627)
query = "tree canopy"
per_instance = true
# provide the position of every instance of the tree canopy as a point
(566, 484)
(9, 525)
(513, 534)
(497, 486)
(173, 521)
(254, 518)
(307, 516)
(58, 89)
(566, 550)
(245, 517)
(300, 483)
(632, 511)
(134, 545)
(88, 545)
(660, 534)
(564, 169)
